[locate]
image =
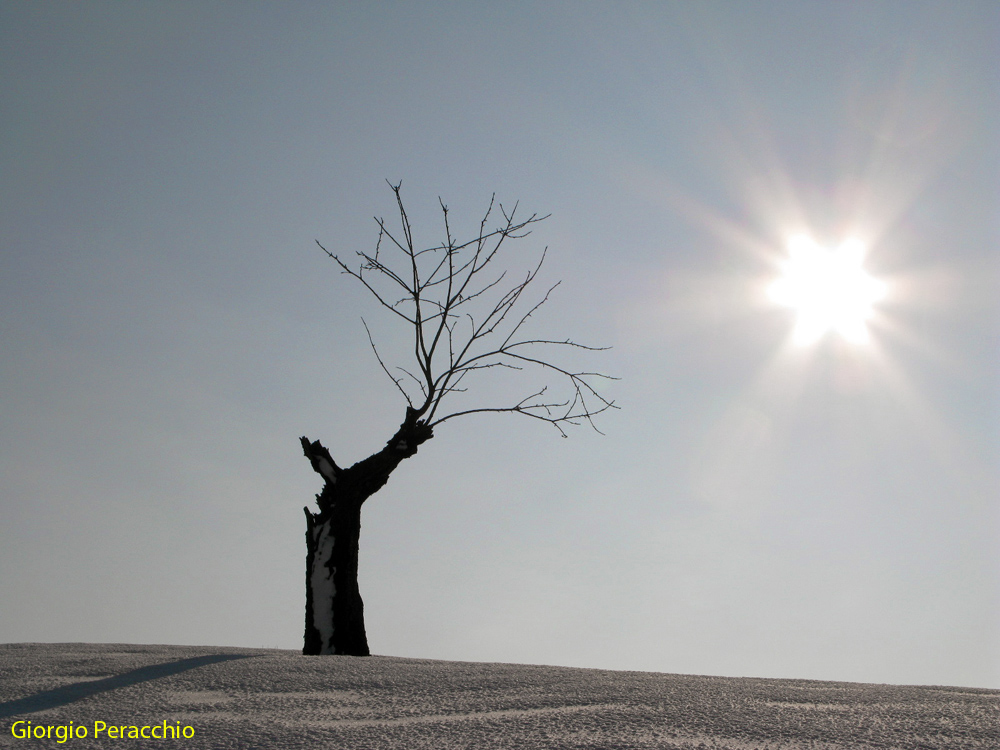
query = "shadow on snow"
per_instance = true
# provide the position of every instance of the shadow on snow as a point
(77, 691)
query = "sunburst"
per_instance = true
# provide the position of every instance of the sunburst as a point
(829, 289)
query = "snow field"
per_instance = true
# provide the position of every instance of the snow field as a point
(250, 698)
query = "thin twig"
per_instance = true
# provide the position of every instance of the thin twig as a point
(440, 279)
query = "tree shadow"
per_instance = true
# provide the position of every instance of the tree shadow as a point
(77, 691)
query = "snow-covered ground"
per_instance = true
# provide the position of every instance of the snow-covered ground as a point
(264, 698)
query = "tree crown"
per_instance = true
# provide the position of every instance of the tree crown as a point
(463, 319)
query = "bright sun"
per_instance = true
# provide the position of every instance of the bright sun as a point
(828, 289)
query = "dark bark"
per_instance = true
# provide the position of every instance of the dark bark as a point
(334, 622)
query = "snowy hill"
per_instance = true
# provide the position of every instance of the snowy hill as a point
(264, 698)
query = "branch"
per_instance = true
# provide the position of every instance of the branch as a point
(395, 381)
(321, 460)
(442, 286)
(360, 278)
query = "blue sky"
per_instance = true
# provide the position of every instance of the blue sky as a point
(170, 328)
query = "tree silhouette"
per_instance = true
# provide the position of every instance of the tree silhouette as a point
(463, 324)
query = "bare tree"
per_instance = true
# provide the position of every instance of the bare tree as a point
(463, 323)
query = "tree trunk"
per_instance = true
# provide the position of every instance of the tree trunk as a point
(335, 619)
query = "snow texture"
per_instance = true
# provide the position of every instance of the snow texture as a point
(263, 698)
(323, 588)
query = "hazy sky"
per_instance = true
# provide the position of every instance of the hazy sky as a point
(170, 329)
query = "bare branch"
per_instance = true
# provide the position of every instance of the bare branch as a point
(364, 281)
(395, 381)
(420, 384)
(443, 289)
